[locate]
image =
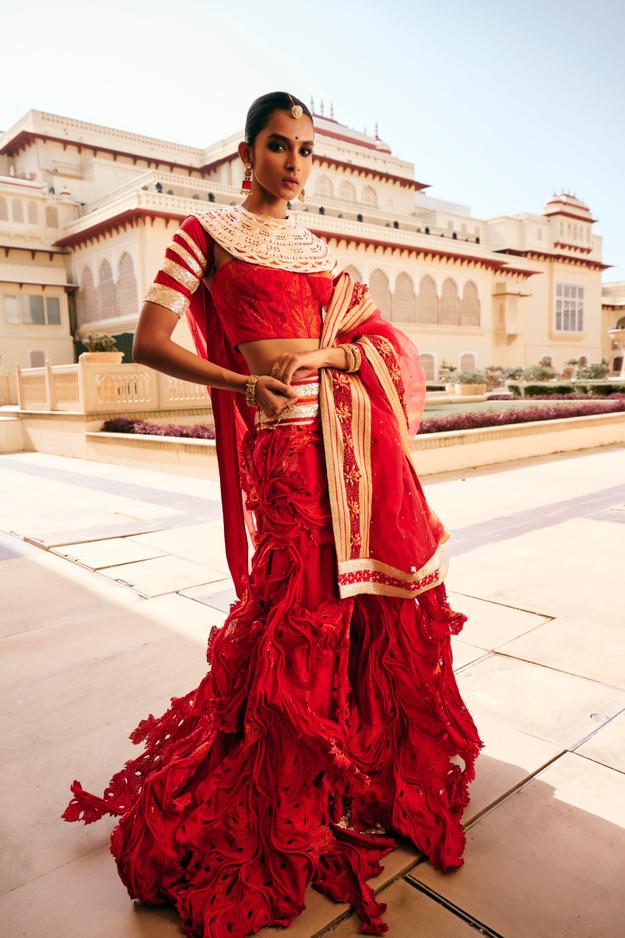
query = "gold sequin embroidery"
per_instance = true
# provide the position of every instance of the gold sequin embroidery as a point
(187, 258)
(181, 274)
(165, 296)
(194, 247)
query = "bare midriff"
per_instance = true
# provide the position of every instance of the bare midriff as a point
(262, 353)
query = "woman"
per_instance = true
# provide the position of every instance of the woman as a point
(330, 716)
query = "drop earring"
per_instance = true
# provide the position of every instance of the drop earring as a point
(246, 185)
(301, 196)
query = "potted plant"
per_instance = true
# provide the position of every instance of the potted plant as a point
(101, 347)
(474, 381)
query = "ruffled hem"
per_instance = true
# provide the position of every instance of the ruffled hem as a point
(322, 728)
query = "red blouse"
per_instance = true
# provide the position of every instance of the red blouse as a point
(253, 301)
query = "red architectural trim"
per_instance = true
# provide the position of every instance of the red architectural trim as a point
(403, 182)
(37, 283)
(118, 222)
(488, 262)
(27, 137)
(573, 247)
(322, 131)
(51, 252)
(559, 211)
(563, 258)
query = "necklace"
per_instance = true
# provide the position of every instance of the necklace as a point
(265, 240)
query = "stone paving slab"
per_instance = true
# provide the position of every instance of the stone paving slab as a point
(198, 542)
(546, 860)
(107, 552)
(490, 624)
(607, 745)
(411, 913)
(572, 645)
(554, 706)
(42, 589)
(162, 575)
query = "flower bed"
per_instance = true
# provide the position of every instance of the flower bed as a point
(464, 421)
(494, 418)
(199, 431)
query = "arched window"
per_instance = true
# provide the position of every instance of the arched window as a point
(18, 211)
(449, 314)
(347, 193)
(621, 323)
(107, 294)
(4, 209)
(86, 298)
(354, 273)
(52, 216)
(380, 291)
(428, 365)
(404, 301)
(31, 210)
(127, 286)
(470, 305)
(370, 196)
(467, 361)
(427, 301)
(324, 187)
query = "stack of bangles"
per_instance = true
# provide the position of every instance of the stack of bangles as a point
(353, 355)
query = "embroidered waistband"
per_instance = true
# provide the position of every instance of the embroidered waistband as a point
(302, 410)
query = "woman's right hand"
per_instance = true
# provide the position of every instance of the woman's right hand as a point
(272, 395)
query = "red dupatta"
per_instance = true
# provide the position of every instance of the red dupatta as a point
(233, 417)
(388, 541)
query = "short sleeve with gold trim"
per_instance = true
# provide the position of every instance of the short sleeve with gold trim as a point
(187, 258)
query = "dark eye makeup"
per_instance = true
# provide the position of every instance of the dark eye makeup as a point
(273, 143)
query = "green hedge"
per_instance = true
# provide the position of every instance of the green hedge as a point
(537, 390)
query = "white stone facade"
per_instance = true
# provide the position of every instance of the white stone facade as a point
(86, 212)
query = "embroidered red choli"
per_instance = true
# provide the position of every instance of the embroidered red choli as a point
(253, 301)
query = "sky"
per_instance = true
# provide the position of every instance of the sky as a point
(498, 105)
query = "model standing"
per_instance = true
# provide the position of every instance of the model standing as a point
(330, 718)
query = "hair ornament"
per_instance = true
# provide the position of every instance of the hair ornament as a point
(297, 110)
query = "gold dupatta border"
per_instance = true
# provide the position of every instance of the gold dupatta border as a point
(383, 359)
(365, 575)
(345, 413)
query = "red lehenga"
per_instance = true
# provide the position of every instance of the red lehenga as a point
(330, 717)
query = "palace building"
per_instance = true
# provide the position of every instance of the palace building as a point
(86, 213)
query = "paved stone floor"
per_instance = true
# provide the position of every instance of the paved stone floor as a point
(111, 578)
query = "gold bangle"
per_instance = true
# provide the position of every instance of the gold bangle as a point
(354, 356)
(250, 390)
(349, 356)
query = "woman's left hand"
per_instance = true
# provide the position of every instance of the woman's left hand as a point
(297, 364)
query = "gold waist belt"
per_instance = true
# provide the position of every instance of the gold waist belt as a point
(301, 410)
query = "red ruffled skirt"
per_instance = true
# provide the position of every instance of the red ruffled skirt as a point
(323, 727)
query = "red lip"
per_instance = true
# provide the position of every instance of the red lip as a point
(292, 181)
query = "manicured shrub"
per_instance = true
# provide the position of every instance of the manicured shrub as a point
(131, 425)
(473, 420)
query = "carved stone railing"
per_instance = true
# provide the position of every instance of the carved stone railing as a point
(93, 387)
